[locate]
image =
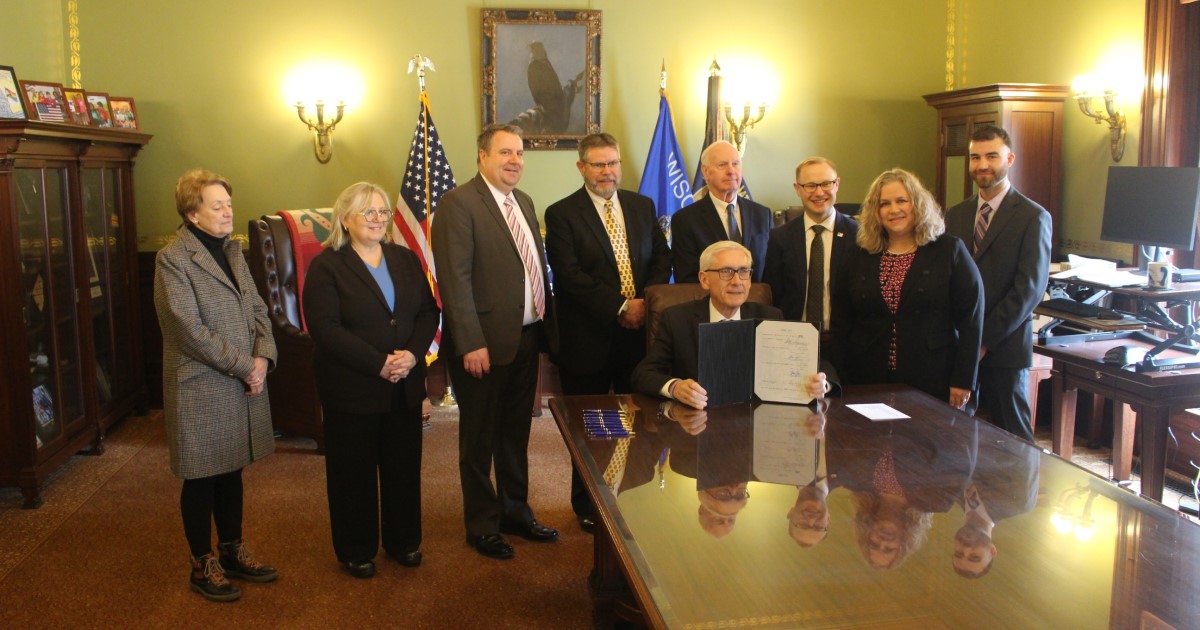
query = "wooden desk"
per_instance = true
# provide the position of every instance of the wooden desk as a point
(1153, 396)
(657, 562)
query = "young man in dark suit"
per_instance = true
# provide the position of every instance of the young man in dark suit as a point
(789, 266)
(604, 246)
(721, 215)
(1009, 237)
(499, 313)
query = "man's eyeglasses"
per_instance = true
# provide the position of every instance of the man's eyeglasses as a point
(813, 186)
(600, 166)
(371, 214)
(727, 272)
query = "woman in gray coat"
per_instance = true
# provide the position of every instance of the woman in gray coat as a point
(217, 348)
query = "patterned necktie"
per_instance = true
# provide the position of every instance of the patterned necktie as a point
(735, 234)
(527, 257)
(616, 466)
(814, 310)
(620, 250)
(981, 225)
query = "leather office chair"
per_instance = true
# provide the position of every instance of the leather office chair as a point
(660, 297)
(791, 212)
(291, 386)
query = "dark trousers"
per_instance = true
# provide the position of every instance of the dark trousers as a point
(202, 501)
(1004, 398)
(373, 476)
(613, 376)
(495, 413)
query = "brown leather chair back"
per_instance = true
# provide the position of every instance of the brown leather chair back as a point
(273, 265)
(660, 297)
(291, 386)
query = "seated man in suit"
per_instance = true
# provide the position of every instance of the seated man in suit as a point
(720, 215)
(800, 281)
(670, 368)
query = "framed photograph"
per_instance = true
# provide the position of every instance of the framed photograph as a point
(11, 104)
(97, 103)
(124, 112)
(541, 71)
(45, 100)
(77, 109)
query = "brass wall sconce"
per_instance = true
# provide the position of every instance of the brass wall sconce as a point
(1114, 117)
(737, 129)
(322, 130)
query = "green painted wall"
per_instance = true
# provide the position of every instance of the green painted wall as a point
(848, 79)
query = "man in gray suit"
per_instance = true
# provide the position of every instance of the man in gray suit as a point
(1009, 236)
(498, 313)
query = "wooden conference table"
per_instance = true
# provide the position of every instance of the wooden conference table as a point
(716, 522)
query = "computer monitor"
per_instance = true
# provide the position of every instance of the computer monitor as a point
(1153, 206)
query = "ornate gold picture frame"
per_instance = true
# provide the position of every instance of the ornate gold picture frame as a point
(541, 71)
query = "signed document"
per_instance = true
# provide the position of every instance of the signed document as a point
(767, 359)
(786, 354)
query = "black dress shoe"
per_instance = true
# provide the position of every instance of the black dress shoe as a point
(491, 545)
(407, 558)
(361, 570)
(588, 524)
(532, 530)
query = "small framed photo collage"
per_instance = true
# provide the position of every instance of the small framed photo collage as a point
(51, 102)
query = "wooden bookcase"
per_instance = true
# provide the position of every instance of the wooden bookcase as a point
(1031, 113)
(70, 329)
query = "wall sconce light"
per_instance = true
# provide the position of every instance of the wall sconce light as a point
(1069, 518)
(1111, 115)
(322, 130)
(737, 129)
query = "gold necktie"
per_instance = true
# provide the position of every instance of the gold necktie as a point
(620, 250)
(616, 466)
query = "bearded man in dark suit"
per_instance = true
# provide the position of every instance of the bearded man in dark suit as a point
(1009, 237)
(605, 247)
(499, 313)
(721, 215)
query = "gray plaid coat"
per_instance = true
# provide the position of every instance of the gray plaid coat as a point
(211, 333)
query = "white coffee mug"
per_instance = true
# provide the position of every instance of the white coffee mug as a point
(1158, 275)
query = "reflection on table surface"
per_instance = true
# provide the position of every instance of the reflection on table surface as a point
(789, 516)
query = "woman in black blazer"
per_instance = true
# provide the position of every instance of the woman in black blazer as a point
(372, 316)
(908, 304)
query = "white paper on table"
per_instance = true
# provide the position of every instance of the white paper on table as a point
(786, 355)
(878, 412)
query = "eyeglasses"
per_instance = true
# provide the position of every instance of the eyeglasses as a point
(813, 186)
(600, 166)
(371, 214)
(727, 272)
(728, 494)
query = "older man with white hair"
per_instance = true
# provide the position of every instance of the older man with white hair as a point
(719, 216)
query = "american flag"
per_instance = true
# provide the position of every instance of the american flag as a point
(426, 178)
(49, 111)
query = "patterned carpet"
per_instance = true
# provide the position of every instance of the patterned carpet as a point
(106, 548)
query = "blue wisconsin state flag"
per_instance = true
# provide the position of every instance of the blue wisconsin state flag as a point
(664, 179)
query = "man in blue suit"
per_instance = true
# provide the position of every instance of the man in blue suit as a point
(788, 263)
(1009, 237)
(719, 216)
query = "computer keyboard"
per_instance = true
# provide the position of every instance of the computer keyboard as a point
(1091, 311)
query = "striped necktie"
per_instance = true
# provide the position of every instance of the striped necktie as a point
(981, 224)
(527, 258)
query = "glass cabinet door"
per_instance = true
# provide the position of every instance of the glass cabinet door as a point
(108, 281)
(47, 269)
